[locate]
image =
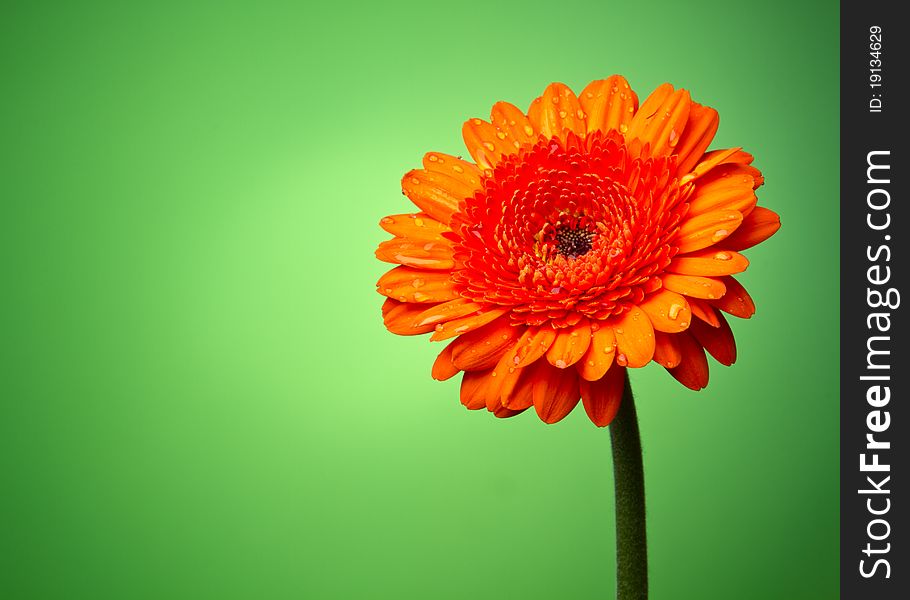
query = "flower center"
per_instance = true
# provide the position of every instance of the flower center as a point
(567, 229)
(573, 243)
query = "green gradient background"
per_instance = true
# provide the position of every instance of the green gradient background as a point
(198, 397)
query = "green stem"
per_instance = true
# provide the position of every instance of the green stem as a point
(628, 475)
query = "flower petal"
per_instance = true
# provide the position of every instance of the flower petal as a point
(709, 161)
(398, 317)
(407, 284)
(660, 124)
(474, 388)
(607, 103)
(736, 301)
(446, 311)
(570, 345)
(718, 341)
(415, 226)
(517, 386)
(709, 262)
(465, 172)
(727, 193)
(484, 144)
(533, 344)
(692, 370)
(511, 120)
(694, 286)
(465, 324)
(668, 311)
(704, 312)
(482, 348)
(557, 112)
(554, 391)
(759, 225)
(666, 350)
(634, 338)
(435, 193)
(703, 230)
(443, 368)
(416, 253)
(696, 137)
(601, 398)
(597, 360)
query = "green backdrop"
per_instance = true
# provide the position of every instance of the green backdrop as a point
(199, 399)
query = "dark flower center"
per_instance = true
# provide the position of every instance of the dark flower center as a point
(573, 243)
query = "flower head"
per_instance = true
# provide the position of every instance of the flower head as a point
(588, 236)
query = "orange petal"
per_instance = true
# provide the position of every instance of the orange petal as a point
(661, 119)
(533, 344)
(399, 317)
(692, 370)
(484, 144)
(446, 311)
(758, 226)
(419, 226)
(456, 168)
(601, 398)
(668, 311)
(516, 392)
(666, 350)
(407, 284)
(416, 253)
(511, 120)
(704, 312)
(465, 324)
(557, 112)
(703, 230)
(694, 286)
(599, 357)
(696, 137)
(725, 193)
(482, 348)
(435, 193)
(709, 262)
(634, 338)
(718, 341)
(473, 389)
(606, 103)
(709, 161)
(570, 345)
(554, 392)
(443, 368)
(736, 301)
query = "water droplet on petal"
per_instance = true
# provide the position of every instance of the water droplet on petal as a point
(420, 297)
(723, 256)
(674, 138)
(458, 168)
(418, 282)
(500, 135)
(621, 360)
(623, 128)
(418, 222)
(489, 146)
(388, 220)
(563, 114)
(529, 130)
(560, 364)
(415, 181)
(674, 311)
(719, 235)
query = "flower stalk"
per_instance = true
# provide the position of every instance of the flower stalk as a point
(628, 475)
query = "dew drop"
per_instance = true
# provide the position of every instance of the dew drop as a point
(418, 282)
(563, 114)
(428, 246)
(619, 330)
(432, 158)
(500, 135)
(621, 360)
(529, 130)
(438, 327)
(674, 138)
(388, 220)
(674, 311)
(723, 256)
(580, 114)
(415, 181)
(719, 235)
(418, 222)
(560, 364)
(623, 128)
(489, 146)
(458, 169)
(493, 374)
(420, 297)
(477, 121)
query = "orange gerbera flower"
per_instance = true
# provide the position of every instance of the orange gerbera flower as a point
(588, 236)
